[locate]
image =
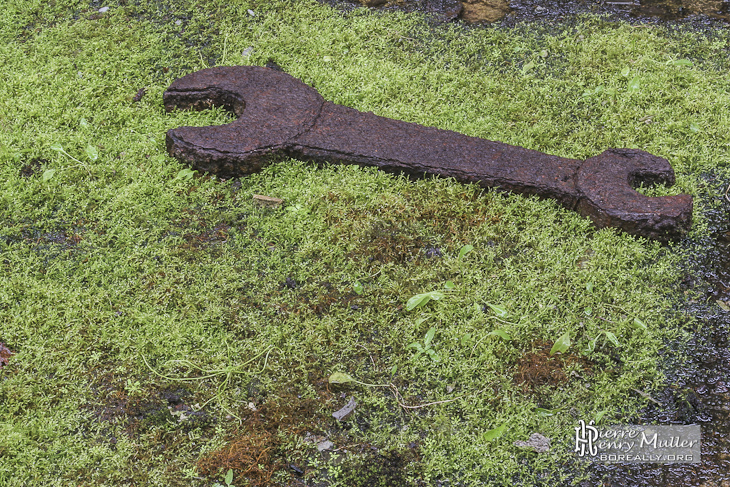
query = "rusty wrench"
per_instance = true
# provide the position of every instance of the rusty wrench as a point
(279, 116)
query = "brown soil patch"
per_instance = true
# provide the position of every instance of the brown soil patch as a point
(484, 10)
(32, 167)
(254, 451)
(413, 230)
(198, 232)
(386, 243)
(321, 302)
(207, 237)
(538, 368)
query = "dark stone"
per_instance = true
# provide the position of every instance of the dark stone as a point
(291, 283)
(33, 167)
(432, 252)
(271, 64)
(172, 398)
(280, 117)
(139, 95)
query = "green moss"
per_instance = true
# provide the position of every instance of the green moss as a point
(114, 261)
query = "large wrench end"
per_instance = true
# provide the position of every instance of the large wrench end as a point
(272, 109)
(607, 183)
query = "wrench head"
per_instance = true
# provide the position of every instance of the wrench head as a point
(607, 183)
(273, 108)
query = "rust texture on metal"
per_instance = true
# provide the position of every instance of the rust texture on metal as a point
(279, 116)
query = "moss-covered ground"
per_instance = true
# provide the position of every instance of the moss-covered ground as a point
(165, 329)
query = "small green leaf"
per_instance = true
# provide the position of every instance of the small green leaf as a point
(449, 285)
(432, 353)
(357, 287)
(561, 345)
(625, 72)
(543, 53)
(466, 338)
(544, 412)
(421, 299)
(429, 336)
(84, 123)
(340, 378)
(635, 84)
(612, 338)
(417, 300)
(92, 152)
(47, 175)
(683, 62)
(600, 415)
(499, 311)
(694, 127)
(592, 345)
(589, 287)
(723, 305)
(465, 250)
(57, 147)
(501, 334)
(494, 433)
(527, 67)
(417, 346)
(184, 174)
(394, 369)
(637, 323)
(229, 476)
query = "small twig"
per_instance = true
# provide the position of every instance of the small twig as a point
(473, 349)
(368, 351)
(211, 373)
(404, 37)
(646, 396)
(62, 151)
(404, 406)
(726, 193)
(227, 371)
(266, 359)
(430, 403)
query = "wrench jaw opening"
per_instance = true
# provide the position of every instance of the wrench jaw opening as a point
(203, 99)
(273, 109)
(609, 199)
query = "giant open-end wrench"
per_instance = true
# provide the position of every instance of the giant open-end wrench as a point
(279, 116)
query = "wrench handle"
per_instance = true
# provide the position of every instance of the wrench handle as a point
(346, 136)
